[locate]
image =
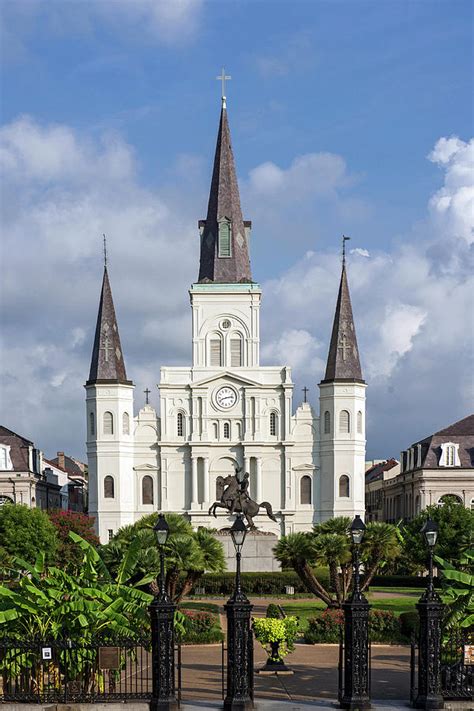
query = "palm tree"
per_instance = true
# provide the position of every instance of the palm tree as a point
(212, 557)
(332, 549)
(380, 543)
(297, 551)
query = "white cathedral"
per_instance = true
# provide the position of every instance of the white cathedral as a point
(225, 410)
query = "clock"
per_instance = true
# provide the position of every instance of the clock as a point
(225, 397)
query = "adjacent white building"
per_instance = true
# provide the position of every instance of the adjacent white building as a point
(225, 409)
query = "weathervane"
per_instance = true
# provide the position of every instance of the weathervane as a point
(223, 78)
(344, 240)
(105, 251)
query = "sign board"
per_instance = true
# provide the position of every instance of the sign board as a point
(469, 654)
(109, 657)
(46, 653)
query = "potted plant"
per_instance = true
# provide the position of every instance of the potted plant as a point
(277, 637)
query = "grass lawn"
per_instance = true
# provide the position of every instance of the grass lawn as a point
(305, 610)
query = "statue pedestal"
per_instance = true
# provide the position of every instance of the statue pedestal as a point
(258, 557)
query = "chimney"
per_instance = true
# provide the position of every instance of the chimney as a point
(61, 460)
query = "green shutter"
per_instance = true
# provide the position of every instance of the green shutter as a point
(224, 239)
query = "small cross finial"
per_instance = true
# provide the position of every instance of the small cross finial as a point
(147, 396)
(105, 250)
(223, 78)
(305, 393)
(344, 240)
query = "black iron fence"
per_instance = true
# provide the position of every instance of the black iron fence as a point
(456, 665)
(65, 671)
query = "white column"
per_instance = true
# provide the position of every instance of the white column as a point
(247, 465)
(258, 489)
(194, 482)
(206, 479)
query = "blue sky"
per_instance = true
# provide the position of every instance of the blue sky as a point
(337, 110)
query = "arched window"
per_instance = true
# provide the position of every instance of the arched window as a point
(235, 352)
(327, 423)
(147, 490)
(225, 249)
(180, 424)
(359, 422)
(472, 504)
(238, 429)
(344, 486)
(215, 346)
(91, 424)
(305, 490)
(215, 430)
(344, 421)
(108, 423)
(273, 424)
(109, 488)
(226, 430)
(126, 423)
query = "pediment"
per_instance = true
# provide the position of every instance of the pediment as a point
(304, 467)
(145, 467)
(225, 375)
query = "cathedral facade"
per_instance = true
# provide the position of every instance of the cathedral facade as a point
(225, 410)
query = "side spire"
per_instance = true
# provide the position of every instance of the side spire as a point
(224, 234)
(107, 363)
(343, 359)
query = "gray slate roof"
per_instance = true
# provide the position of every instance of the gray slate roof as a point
(19, 448)
(107, 363)
(224, 202)
(343, 359)
(461, 432)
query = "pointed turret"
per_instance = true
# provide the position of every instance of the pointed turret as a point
(343, 359)
(107, 364)
(224, 234)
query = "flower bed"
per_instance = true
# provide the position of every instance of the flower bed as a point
(200, 627)
(384, 627)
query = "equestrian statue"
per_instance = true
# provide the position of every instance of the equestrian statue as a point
(233, 494)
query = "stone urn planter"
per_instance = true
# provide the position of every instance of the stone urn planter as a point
(277, 637)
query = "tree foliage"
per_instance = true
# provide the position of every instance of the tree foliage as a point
(455, 534)
(25, 532)
(187, 552)
(458, 590)
(329, 544)
(70, 555)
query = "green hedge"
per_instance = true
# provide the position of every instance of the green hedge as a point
(409, 623)
(400, 581)
(327, 627)
(256, 583)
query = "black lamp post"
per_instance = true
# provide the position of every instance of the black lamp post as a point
(356, 634)
(239, 694)
(162, 612)
(430, 610)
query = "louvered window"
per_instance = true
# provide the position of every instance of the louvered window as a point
(273, 424)
(359, 422)
(91, 424)
(180, 425)
(450, 456)
(344, 422)
(224, 239)
(344, 486)
(126, 423)
(327, 423)
(109, 492)
(216, 352)
(226, 430)
(305, 490)
(108, 423)
(147, 490)
(235, 352)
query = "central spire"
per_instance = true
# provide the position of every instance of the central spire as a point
(224, 234)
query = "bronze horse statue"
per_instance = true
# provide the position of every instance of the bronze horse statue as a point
(235, 498)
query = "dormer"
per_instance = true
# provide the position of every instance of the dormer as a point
(449, 455)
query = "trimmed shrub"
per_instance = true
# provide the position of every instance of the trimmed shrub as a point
(409, 623)
(273, 612)
(400, 581)
(327, 627)
(257, 583)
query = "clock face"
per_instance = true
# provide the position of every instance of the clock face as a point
(226, 397)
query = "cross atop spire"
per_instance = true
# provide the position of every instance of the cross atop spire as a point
(343, 358)
(223, 78)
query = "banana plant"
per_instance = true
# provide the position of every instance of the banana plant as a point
(458, 590)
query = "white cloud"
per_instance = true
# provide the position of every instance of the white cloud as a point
(296, 348)
(360, 252)
(452, 207)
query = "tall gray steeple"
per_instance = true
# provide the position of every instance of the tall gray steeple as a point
(224, 234)
(343, 362)
(107, 363)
